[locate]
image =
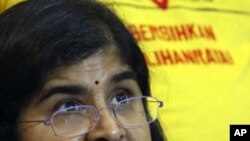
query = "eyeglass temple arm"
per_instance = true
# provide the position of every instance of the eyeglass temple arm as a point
(160, 103)
(45, 122)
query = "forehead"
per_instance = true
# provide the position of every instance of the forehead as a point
(104, 67)
(97, 67)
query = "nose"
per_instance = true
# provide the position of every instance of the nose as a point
(106, 129)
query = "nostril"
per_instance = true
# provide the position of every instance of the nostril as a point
(101, 139)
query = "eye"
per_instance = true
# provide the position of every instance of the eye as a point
(119, 96)
(67, 103)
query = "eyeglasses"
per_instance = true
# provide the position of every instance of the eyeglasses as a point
(79, 120)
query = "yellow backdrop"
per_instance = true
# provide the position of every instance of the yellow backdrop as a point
(198, 52)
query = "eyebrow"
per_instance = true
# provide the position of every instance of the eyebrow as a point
(81, 89)
(65, 89)
(128, 74)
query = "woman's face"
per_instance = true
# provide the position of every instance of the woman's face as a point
(100, 80)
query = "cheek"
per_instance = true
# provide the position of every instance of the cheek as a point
(42, 133)
(36, 132)
(139, 134)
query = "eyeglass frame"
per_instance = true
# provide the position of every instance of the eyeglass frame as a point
(49, 121)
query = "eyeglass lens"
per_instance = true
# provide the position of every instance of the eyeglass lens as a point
(79, 120)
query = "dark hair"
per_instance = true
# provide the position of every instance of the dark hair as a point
(37, 36)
